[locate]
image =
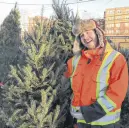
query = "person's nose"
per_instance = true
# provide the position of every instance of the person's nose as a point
(86, 36)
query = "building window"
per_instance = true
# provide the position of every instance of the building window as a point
(118, 25)
(110, 31)
(112, 25)
(126, 31)
(109, 18)
(107, 26)
(126, 24)
(117, 31)
(127, 10)
(118, 11)
(111, 11)
(118, 17)
(127, 17)
(108, 12)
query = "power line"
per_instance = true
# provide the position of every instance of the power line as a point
(23, 4)
(81, 2)
(108, 2)
(49, 4)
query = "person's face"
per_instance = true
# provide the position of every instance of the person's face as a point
(89, 39)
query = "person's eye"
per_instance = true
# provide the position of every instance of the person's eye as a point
(81, 35)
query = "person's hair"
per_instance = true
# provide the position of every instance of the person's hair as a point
(80, 43)
(96, 36)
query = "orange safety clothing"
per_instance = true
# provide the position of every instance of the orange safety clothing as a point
(98, 85)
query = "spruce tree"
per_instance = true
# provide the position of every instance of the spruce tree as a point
(125, 105)
(31, 92)
(38, 94)
(10, 40)
(62, 28)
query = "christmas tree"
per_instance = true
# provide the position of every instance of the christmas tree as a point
(33, 90)
(62, 28)
(125, 105)
(10, 41)
(38, 94)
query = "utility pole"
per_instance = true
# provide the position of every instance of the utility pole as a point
(42, 11)
(77, 14)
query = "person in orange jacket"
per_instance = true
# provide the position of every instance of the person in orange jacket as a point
(99, 78)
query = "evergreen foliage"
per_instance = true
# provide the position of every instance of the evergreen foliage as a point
(10, 41)
(33, 91)
(125, 105)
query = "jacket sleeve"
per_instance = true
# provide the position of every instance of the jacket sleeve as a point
(115, 94)
(68, 72)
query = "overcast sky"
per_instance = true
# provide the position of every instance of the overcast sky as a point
(94, 8)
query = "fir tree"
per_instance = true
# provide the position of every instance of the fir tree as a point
(9, 43)
(125, 105)
(31, 92)
(62, 28)
(38, 94)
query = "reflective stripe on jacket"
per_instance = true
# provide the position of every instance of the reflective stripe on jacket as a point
(99, 87)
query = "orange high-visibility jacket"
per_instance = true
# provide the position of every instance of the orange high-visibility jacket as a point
(99, 87)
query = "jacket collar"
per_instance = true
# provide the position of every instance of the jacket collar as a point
(96, 52)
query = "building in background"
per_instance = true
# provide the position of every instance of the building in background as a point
(32, 21)
(101, 23)
(28, 24)
(117, 25)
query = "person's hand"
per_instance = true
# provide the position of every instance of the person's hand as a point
(75, 126)
(76, 112)
(76, 48)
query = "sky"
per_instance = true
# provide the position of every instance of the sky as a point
(90, 9)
